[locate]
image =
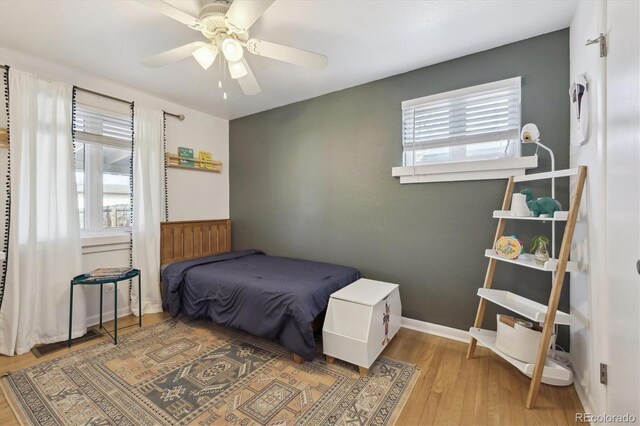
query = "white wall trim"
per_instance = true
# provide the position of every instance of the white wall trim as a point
(465, 170)
(583, 396)
(106, 241)
(108, 316)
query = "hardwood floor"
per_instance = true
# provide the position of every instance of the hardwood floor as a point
(486, 390)
(451, 390)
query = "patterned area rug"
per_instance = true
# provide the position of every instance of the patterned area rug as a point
(178, 372)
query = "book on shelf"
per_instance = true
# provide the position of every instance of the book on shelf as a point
(108, 272)
(205, 156)
(186, 153)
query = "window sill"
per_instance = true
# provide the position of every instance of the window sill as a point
(108, 241)
(467, 170)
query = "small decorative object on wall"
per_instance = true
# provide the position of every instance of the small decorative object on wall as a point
(579, 95)
(206, 160)
(509, 247)
(184, 154)
(543, 206)
(519, 205)
(539, 248)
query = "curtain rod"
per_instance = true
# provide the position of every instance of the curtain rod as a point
(82, 89)
(113, 98)
(178, 116)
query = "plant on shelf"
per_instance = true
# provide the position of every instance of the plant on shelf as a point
(539, 248)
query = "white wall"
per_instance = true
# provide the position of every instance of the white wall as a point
(192, 194)
(588, 249)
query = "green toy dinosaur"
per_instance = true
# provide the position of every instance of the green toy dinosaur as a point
(542, 205)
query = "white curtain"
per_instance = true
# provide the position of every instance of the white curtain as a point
(44, 243)
(148, 202)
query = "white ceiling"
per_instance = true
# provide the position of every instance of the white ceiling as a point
(364, 41)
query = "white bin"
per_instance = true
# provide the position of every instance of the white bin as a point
(516, 340)
(361, 320)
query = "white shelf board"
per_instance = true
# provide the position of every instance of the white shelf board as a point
(526, 260)
(554, 373)
(546, 175)
(506, 214)
(521, 305)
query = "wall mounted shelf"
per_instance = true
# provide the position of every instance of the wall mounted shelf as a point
(174, 161)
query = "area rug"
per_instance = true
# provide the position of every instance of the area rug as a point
(180, 372)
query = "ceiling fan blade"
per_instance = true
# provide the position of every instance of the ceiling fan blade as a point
(170, 11)
(287, 54)
(173, 55)
(248, 83)
(243, 13)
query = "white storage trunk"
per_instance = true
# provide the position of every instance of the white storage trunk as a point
(361, 320)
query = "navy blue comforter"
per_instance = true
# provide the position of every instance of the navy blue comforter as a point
(272, 297)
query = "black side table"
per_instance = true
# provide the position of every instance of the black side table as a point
(86, 279)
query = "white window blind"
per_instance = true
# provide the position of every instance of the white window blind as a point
(106, 128)
(103, 168)
(471, 123)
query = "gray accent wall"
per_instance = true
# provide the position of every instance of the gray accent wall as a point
(312, 180)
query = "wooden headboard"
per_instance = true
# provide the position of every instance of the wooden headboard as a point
(193, 238)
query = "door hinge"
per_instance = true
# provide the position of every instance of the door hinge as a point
(603, 373)
(602, 42)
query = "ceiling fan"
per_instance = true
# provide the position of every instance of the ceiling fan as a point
(226, 23)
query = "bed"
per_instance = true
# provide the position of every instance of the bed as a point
(272, 297)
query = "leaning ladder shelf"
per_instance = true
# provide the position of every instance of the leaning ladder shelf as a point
(544, 369)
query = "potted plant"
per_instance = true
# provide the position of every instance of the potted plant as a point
(539, 249)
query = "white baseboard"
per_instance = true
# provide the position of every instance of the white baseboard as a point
(583, 396)
(107, 316)
(437, 330)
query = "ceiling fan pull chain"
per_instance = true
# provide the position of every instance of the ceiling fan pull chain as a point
(224, 73)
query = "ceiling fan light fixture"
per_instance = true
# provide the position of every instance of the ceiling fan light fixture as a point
(206, 55)
(231, 49)
(237, 69)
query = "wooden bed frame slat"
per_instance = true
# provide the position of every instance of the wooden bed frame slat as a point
(193, 238)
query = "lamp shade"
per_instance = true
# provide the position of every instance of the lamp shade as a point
(237, 69)
(206, 55)
(231, 49)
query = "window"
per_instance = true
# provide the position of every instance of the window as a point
(103, 157)
(471, 124)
